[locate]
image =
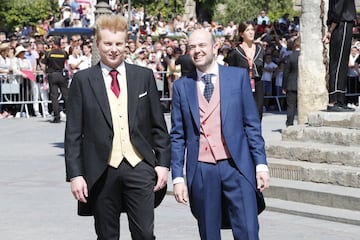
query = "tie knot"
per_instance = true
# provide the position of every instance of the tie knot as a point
(114, 73)
(207, 78)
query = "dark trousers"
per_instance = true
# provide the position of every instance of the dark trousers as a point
(353, 86)
(259, 96)
(291, 106)
(125, 189)
(218, 187)
(56, 82)
(340, 45)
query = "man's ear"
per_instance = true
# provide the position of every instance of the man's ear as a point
(216, 48)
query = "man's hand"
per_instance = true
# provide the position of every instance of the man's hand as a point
(181, 193)
(162, 177)
(326, 38)
(263, 180)
(79, 188)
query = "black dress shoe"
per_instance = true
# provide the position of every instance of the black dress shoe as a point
(339, 108)
(56, 120)
(350, 109)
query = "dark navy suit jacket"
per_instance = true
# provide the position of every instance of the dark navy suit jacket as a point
(240, 124)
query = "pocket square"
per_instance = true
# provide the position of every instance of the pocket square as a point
(143, 94)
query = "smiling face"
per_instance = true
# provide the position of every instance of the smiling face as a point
(202, 49)
(111, 37)
(112, 47)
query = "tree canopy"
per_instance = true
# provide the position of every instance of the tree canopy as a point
(18, 13)
(166, 8)
(233, 10)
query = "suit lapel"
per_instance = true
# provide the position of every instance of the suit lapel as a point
(132, 86)
(192, 98)
(225, 91)
(97, 84)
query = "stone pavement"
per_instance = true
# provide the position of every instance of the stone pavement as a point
(36, 203)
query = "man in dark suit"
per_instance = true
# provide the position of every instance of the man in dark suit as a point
(215, 121)
(117, 148)
(290, 82)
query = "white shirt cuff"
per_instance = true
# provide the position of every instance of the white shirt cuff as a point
(178, 180)
(262, 168)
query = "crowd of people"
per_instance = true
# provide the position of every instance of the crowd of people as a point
(156, 43)
(118, 151)
(153, 43)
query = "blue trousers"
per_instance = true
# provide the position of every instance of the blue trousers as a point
(221, 190)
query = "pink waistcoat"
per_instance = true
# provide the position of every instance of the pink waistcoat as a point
(212, 144)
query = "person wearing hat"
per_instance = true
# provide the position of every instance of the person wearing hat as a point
(22, 63)
(40, 94)
(21, 69)
(5, 64)
(54, 62)
(141, 57)
(4, 59)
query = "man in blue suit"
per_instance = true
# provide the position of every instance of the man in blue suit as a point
(216, 128)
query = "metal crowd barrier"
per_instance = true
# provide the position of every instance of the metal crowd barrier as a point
(161, 82)
(15, 90)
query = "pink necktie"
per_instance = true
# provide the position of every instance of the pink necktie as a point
(115, 87)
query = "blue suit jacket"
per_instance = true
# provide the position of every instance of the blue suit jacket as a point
(240, 124)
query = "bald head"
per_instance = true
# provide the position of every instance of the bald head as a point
(204, 33)
(203, 49)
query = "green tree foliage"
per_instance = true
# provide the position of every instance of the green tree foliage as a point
(234, 10)
(167, 8)
(18, 13)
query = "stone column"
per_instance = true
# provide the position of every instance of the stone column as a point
(189, 7)
(312, 90)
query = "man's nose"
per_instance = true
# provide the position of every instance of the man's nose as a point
(113, 48)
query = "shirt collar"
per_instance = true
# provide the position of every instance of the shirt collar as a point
(106, 69)
(214, 71)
